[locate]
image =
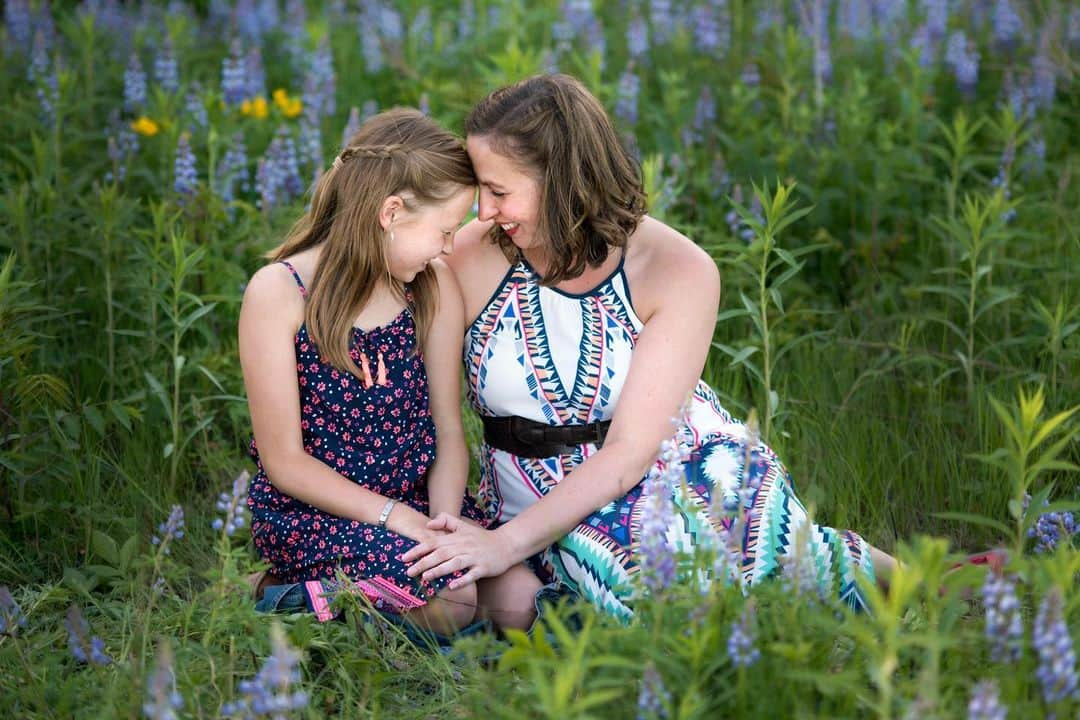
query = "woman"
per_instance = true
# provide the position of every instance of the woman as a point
(590, 326)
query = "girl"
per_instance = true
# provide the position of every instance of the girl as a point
(349, 344)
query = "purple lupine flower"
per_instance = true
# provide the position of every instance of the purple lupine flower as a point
(494, 15)
(162, 698)
(278, 175)
(370, 108)
(245, 17)
(740, 644)
(48, 95)
(750, 76)
(798, 571)
(1017, 97)
(704, 113)
(311, 151)
(466, 19)
(711, 34)
(936, 17)
(656, 556)
(19, 25)
(926, 45)
(662, 20)
(194, 107)
(962, 57)
(295, 31)
(256, 73)
(985, 703)
(371, 46)
(267, 182)
(233, 170)
(185, 178)
(11, 615)
(856, 18)
(1054, 645)
(1035, 155)
(233, 505)
(594, 37)
(626, 98)
(424, 104)
(886, 12)
(86, 648)
(171, 529)
(165, 70)
(653, 698)
(134, 84)
(322, 70)
(420, 27)
(39, 59)
(233, 75)
(122, 145)
(1007, 25)
(352, 126)
(1051, 529)
(268, 15)
(1072, 31)
(1043, 72)
(637, 38)
(270, 692)
(814, 19)
(390, 24)
(1004, 626)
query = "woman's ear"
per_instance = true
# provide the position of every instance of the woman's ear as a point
(391, 206)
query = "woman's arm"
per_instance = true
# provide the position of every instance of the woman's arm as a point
(271, 314)
(442, 358)
(667, 362)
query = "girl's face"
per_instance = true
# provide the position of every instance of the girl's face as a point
(509, 194)
(424, 233)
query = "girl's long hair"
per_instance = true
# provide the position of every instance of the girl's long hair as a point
(398, 152)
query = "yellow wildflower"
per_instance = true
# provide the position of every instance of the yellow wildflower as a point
(281, 98)
(145, 126)
(255, 107)
(294, 107)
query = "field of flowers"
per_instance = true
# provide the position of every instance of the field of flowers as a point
(890, 190)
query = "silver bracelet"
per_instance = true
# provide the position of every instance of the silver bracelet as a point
(387, 509)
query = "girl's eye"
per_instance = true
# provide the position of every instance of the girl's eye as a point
(496, 193)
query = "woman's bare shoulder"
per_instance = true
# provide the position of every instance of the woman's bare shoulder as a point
(662, 264)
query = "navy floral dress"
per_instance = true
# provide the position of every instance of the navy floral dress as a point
(376, 430)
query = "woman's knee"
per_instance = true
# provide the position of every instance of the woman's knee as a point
(447, 612)
(509, 600)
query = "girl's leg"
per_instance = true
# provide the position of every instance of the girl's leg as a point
(509, 599)
(884, 564)
(447, 612)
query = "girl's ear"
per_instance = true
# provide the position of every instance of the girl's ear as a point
(391, 206)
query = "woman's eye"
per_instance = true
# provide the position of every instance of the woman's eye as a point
(496, 193)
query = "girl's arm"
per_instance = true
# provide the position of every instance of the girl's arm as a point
(668, 359)
(270, 316)
(442, 359)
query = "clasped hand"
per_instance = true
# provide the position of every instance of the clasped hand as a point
(458, 545)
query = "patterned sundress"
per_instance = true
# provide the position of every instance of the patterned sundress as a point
(561, 358)
(382, 437)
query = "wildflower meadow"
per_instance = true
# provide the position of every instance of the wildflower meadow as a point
(889, 187)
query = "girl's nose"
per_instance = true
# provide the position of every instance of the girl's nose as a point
(486, 208)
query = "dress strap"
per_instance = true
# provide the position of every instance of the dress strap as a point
(296, 276)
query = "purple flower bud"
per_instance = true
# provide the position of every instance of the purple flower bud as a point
(740, 645)
(11, 615)
(369, 109)
(371, 46)
(389, 23)
(637, 38)
(653, 697)
(269, 693)
(84, 647)
(233, 504)
(322, 93)
(39, 59)
(936, 16)
(655, 555)
(165, 71)
(662, 19)
(626, 100)
(985, 703)
(962, 57)
(712, 33)
(162, 698)
(1054, 645)
(171, 529)
(233, 171)
(926, 45)
(185, 179)
(194, 107)
(1004, 625)
(466, 19)
(352, 126)
(855, 18)
(1007, 25)
(233, 75)
(134, 84)
(420, 27)
(255, 84)
(18, 23)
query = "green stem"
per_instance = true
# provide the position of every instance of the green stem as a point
(766, 365)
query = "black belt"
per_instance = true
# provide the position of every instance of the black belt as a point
(528, 438)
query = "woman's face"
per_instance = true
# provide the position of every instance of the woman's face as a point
(509, 194)
(425, 233)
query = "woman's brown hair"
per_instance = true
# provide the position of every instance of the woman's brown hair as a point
(398, 152)
(591, 193)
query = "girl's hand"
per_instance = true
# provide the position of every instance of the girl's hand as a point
(464, 546)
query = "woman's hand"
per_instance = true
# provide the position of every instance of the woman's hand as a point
(463, 546)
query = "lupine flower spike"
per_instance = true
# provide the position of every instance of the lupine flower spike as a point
(171, 529)
(985, 704)
(655, 554)
(162, 698)
(165, 70)
(185, 179)
(11, 615)
(352, 126)
(134, 84)
(1054, 645)
(270, 694)
(233, 505)
(740, 646)
(86, 648)
(1004, 626)
(653, 697)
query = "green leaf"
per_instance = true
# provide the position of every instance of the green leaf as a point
(105, 547)
(974, 520)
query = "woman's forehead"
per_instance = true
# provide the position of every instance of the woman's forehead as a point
(492, 166)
